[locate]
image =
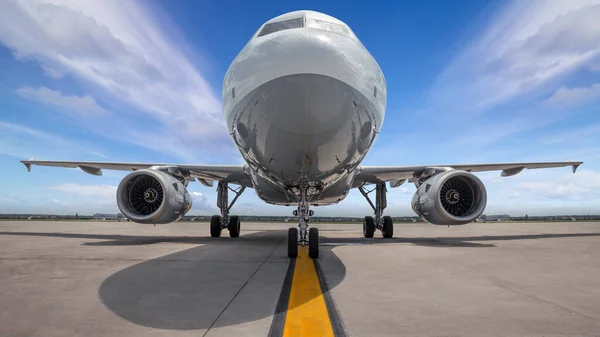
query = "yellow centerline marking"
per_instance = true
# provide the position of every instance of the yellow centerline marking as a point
(307, 313)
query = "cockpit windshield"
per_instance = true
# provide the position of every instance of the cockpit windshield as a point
(282, 25)
(326, 25)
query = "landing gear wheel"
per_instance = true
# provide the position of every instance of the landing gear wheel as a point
(293, 243)
(215, 226)
(313, 243)
(388, 227)
(234, 226)
(368, 227)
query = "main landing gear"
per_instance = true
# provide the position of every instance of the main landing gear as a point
(220, 222)
(302, 236)
(381, 222)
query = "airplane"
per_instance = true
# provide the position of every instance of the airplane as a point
(304, 102)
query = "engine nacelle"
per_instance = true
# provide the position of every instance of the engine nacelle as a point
(152, 197)
(450, 198)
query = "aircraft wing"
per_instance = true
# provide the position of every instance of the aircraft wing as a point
(204, 173)
(398, 174)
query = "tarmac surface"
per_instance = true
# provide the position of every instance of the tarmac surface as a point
(125, 279)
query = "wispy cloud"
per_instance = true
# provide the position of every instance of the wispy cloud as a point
(584, 185)
(10, 127)
(591, 132)
(567, 187)
(76, 104)
(118, 47)
(506, 84)
(572, 96)
(25, 142)
(528, 45)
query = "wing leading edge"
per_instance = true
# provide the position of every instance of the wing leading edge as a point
(396, 174)
(204, 173)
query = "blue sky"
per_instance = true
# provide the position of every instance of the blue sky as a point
(468, 82)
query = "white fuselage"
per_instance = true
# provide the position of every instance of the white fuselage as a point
(304, 101)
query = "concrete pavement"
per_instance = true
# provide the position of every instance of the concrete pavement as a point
(110, 278)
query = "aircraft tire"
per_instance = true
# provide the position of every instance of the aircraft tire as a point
(215, 226)
(388, 227)
(368, 227)
(293, 243)
(313, 243)
(234, 226)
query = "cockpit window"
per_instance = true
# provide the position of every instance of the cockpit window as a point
(281, 25)
(326, 25)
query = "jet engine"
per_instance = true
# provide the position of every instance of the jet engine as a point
(450, 198)
(152, 197)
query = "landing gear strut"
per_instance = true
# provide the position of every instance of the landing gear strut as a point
(301, 235)
(381, 222)
(220, 222)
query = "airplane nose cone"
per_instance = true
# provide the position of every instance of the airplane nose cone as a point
(302, 51)
(312, 79)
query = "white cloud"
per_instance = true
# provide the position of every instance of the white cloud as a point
(565, 95)
(582, 185)
(528, 45)
(102, 192)
(120, 48)
(70, 198)
(78, 104)
(62, 199)
(52, 72)
(200, 203)
(198, 197)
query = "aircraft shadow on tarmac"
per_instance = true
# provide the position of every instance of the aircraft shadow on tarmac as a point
(188, 289)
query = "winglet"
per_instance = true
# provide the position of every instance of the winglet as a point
(575, 166)
(27, 164)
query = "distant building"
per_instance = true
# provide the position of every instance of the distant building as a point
(106, 216)
(496, 217)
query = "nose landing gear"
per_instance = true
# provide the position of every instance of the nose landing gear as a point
(301, 235)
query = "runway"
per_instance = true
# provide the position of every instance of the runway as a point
(125, 279)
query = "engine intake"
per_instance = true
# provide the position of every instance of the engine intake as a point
(152, 197)
(450, 198)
